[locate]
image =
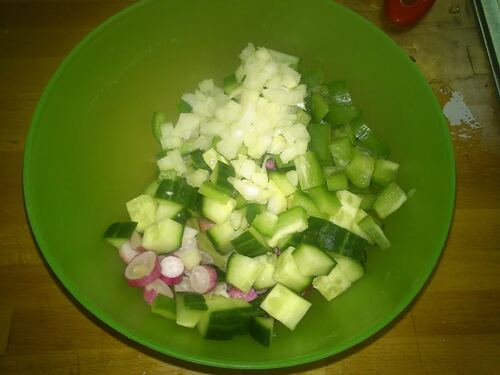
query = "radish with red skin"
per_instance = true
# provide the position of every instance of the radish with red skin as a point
(155, 288)
(143, 269)
(127, 252)
(172, 267)
(171, 280)
(236, 293)
(203, 279)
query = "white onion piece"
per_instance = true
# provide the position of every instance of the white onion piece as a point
(143, 269)
(184, 285)
(203, 279)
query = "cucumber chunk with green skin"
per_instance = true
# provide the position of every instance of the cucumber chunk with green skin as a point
(194, 301)
(320, 141)
(242, 271)
(309, 170)
(142, 210)
(267, 266)
(285, 306)
(337, 181)
(350, 267)
(165, 307)
(265, 223)
(283, 166)
(252, 210)
(344, 131)
(341, 114)
(282, 183)
(197, 160)
(360, 169)
(151, 188)
(187, 316)
(333, 284)
(385, 171)
(261, 330)
(225, 318)
(184, 107)
(219, 176)
(216, 211)
(341, 151)
(292, 221)
(366, 139)
(287, 272)
(208, 189)
(230, 83)
(319, 107)
(250, 243)
(312, 261)
(205, 245)
(163, 237)
(179, 191)
(301, 199)
(371, 228)
(167, 209)
(221, 235)
(118, 233)
(367, 200)
(389, 200)
(157, 120)
(327, 202)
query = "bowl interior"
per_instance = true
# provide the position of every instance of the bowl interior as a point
(90, 150)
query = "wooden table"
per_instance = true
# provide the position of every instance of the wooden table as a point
(453, 327)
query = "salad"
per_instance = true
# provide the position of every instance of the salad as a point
(269, 187)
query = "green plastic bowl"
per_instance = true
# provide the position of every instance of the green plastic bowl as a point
(90, 149)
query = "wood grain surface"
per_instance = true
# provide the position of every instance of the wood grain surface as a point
(452, 328)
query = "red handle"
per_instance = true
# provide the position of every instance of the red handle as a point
(401, 13)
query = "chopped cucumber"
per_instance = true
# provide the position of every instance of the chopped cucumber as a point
(287, 272)
(164, 306)
(163, 237)
(327, 202)
(252, 210)
(320, 141)
(118, 233)
(282, 183)
(367, 140)
(300, 199)
(180, 192)
(142, 210)
(261, 330)
(221, 172)
(267, 266)
(289, 222)
(372, 229)
(309, 170)
(312, 261)
(216, 211)
(167, 210)
(351, 268)
(319, 107)
(221, 235)
(157, 120)
(250, 243)
(265, 223)
(188, 314)
(208, 189)
(385, 171)
(337, 181)
(333, 284)
(206, 245)
(360, 169)
(341, 151)
(389, 200)
(242, 271)
(285, 306)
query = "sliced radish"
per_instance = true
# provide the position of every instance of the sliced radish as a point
(143, 269)
(127, 252)
(205, 224)
(136, 240)
(172, 266)
(171, 280)
(203, 279)
(236, 293)
(156, 287)
(184, 285)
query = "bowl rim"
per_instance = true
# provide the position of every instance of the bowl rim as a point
(415, 289)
